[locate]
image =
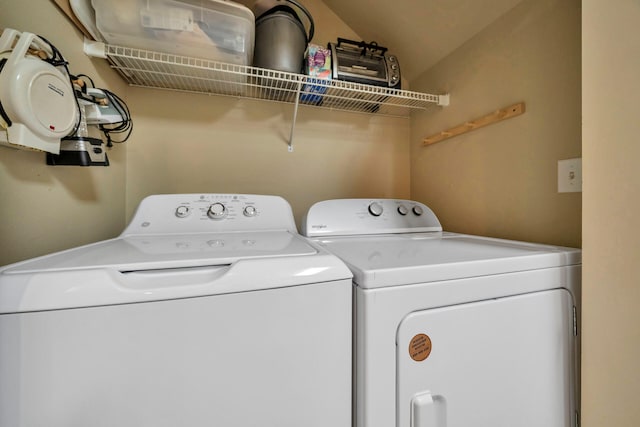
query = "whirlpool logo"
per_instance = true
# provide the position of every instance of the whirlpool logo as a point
(318, 226)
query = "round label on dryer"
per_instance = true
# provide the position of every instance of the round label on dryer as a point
(420, 347)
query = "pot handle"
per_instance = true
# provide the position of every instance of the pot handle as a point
(306, 12)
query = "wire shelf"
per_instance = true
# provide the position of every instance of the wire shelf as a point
(167, 71)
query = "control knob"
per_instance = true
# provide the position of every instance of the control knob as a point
(217, 211)
(250, 211)
(182, 211)
(402, 210)
(375, 209)
(417, 210)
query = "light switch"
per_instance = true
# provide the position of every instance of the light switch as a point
(570, 175)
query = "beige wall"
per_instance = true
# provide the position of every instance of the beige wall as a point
(45, 208)
(611, 236)
(194, 143)
(502, 180)
(190, 143)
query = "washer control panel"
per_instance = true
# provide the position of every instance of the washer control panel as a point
(193, 213)
(368, 216)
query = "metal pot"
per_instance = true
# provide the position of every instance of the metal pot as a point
(281, 39)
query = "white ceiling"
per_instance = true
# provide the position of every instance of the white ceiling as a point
(419, 32)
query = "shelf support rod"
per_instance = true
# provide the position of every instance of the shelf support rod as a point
(295, 115)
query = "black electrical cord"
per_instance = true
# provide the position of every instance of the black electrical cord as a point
(125, 126)
(90, 79)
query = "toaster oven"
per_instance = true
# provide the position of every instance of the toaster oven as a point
(366, 63)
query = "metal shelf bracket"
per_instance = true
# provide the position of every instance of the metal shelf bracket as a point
(94, 48)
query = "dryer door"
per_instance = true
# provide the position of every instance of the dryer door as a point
(501, 363)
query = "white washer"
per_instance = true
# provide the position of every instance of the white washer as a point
(208, 310)
(454, 330)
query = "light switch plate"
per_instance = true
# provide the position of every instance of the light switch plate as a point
(570, 175)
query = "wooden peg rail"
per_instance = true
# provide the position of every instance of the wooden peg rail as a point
(495, 117)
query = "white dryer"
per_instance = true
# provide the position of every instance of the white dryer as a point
(208, 310)
(454, 330)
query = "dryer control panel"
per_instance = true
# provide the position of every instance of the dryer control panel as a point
(343, 217)
(198, 213)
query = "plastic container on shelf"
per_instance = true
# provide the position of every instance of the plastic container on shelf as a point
(210, 29)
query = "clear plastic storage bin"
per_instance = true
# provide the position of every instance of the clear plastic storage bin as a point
(211, 29)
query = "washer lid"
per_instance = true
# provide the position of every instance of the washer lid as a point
(151, 268)
(392, 260)
(136, 253)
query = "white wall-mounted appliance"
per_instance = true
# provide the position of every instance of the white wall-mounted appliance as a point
(450, 329)
(208, 310)
(37, 103)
